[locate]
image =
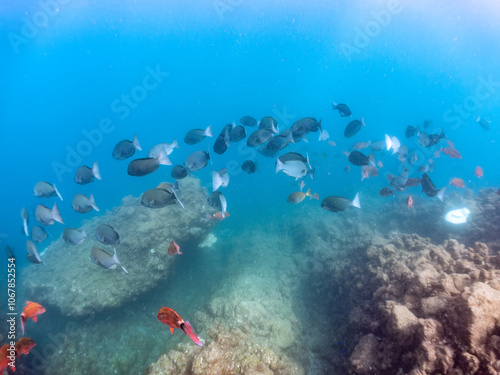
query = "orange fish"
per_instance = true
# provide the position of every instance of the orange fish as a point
(218, 215)
(172, 319)
(479, 172)
(458, 182)
(173, 248)
(4, 358)
(24, 345)
(451, 152)
(409, 201)
(31, 311)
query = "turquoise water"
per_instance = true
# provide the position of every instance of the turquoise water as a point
(79, 76)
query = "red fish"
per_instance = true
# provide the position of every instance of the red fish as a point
(479, 172)
(409, 201)
(458, 182)
(172, 319)
(218, 215)
(31, 311)
(24, 345)
(368, 171)
(4, 358)
(451, 152)
(173, 248)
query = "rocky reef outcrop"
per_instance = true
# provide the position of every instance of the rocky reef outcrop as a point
(70, 281)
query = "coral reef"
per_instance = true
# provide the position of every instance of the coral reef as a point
(81, 287)
(228, 353)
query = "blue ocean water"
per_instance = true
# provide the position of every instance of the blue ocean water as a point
(79, 76)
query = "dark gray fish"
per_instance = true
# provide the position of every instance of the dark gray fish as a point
(270, 123)
(38, 234)
(220, 145)
(385, 192)
(259, 137)
(335, 203)
(125, 149)
(237, 133)
(45, 190)
(435, 138)
(144, 166)
(248, 121)
(401, 180)
(214, 200)
(353, 127)
(84, 204)
(280, 141)
(402, 153)
(249, 166)
(359, 159)
(104, 259)
(9, 251)
(74, 236)
(429, 188)
(33, 259)
(377, 145)
(196, 161)
(33, 251)
(107, 235)
(178, 172)
(26, 219)
(47, 216)
(485, 124)
(303, 126)
(195, 136)
(411, 131)
(343, 109)
(85, 175)
(157, 198)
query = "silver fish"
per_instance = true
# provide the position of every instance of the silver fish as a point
(74, 236)
(220, 178)
(196, 161)
(167, 148)
(44, 189)
(104, 259)
(47, 216)
(83, 204)
(33, 251)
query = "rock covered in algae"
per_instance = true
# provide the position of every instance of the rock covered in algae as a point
(77, 286)
(228, 353)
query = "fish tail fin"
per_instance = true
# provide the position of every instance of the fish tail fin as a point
(279, 165)
(177, 198)
(371, 159)
(307, 160)
(388, 142)
(363, 121)
(311, 173)
(115, 258)
(163, 159)
(304, 138)
(440, 193)
(23, 320)
(57, 192)
(216, 180)
(136, 143)
(95, 170)
(208, 131)
(188, 330)
(56, 215)
(175, 144)
(308, 193)
(92, 202)
(290, 138)
(355, 201)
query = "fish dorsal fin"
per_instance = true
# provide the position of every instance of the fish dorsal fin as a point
(171, 330)
(34, 319)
